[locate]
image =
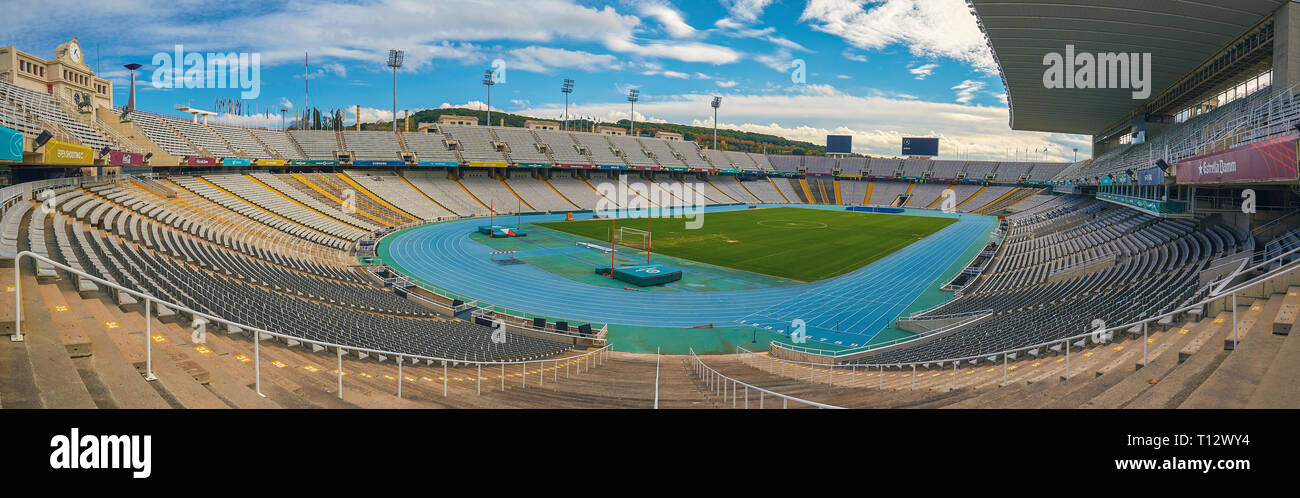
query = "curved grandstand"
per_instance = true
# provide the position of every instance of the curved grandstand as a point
(226, 263)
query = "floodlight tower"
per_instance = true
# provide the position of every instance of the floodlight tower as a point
(284, 110)
(488, 81)
(633, 95)
(717, 102)
(394, 61)
(566, 89)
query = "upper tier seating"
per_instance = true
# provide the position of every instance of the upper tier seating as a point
(46, 108)
(318, 145)
(243, 140)
(277, 142)
(429, 146)
(476, 143)
(157, 130)
(372, 146)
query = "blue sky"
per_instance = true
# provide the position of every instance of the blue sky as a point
(878, 70)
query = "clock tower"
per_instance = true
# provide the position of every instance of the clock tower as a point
(70, 53)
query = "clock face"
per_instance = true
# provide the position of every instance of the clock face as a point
(74, 52)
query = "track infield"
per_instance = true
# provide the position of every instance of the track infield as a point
(795, 243)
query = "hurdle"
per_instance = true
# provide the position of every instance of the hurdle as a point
(511, 260)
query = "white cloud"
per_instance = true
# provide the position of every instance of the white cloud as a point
(340, 30)
(735, 29)
(682, 51)
(853, 56)
(922, 71)
(726, 84)
(545, 60)
(670, 18)
(967, 89)
(476, 105)
(254, 121)
(335, 68)
(286, 103)
(746, 10)
(929, 28)
(778, 60)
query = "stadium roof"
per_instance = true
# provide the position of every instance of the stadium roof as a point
(1179, 35)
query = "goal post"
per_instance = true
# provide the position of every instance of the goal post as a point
(632, 237)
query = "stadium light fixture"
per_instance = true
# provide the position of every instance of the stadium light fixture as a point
(394, 61)
(282, 111)
(717, 102)
(488, 82)
(633, 95)
(566, 90)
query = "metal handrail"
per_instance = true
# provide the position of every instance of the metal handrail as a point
(256, 331)
(718, 382)
(1099, 335)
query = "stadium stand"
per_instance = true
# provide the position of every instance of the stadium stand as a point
(278, 143)
(395, 189)
(368, 146)
(430, 147)
(598, 148)
(476, 143)
(562, 147)
(44, 108)
(166, 137)
(784, 163)
(632, 151)
(315, 144)
(521, 145)
(242, 140)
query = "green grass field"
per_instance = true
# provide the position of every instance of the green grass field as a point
(795, 243)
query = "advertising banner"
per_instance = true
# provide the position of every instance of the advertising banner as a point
(57, 152)
(271, 162)
(123, 158)
(11, 145)
(439, 164)
(1151, 176)
(236, 161)
(1270, 160)
(201, 161)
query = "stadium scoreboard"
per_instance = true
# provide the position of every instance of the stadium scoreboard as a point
(839, 144)
(913, 146)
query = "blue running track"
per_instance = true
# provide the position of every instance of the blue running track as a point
(847, 310)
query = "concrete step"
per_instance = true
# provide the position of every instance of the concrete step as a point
(1280, 386)
(52, 368)
(1174, 388)
(1131, 386)
(1232, 384)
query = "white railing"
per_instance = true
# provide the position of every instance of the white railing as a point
(598, 355)
(721, 386)
(1098, 336)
